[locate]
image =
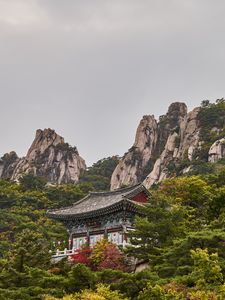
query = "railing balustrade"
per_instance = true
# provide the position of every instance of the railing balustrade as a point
(67, 252)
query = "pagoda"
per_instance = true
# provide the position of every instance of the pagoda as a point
(102, 215)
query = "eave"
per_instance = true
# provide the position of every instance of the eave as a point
(123, 205)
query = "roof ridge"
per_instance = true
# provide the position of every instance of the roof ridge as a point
(68, 207)
(117, 191)
(82, 199)
(57, 209)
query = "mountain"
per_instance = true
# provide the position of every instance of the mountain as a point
(178, 143)
(48, 156)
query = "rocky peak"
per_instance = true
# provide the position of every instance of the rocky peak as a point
(43, 140)
(177, 110)
(173, 137)
(181, 144)
(7, 164)
(130, 168)
(144, 137)
(49, 157)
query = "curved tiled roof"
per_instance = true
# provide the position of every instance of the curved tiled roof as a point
(98, 203)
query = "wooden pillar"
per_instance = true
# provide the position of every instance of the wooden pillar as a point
(88, 238)
(70, 241)
(123, 234)
(106, 234)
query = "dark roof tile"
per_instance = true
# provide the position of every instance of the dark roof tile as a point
(97, 203)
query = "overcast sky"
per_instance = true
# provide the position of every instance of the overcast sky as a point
(91, 69)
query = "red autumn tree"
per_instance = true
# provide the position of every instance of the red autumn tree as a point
(81, 256)
(104, 255)
(112, 258)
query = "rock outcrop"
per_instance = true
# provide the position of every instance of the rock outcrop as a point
(49, 157)
(178, 143)
(181, 144)
(7, 164)
(130, 168)
(217, 151)
(175, 137)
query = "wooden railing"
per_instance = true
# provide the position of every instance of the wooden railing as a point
(64, 252)
(67, 252)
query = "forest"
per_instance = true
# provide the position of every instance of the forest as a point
(180, 235)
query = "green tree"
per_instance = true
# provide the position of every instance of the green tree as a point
(30, 249)
(158, 293)
(102, 292)
(99, 174)
(156, 229)
(207, 271)
(32, 182)
(79, 278)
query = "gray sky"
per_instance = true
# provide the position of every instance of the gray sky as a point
(90, 69)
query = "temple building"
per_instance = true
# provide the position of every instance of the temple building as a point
(102, 214)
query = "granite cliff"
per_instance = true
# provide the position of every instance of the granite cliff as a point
(173, 145)
(130, 168)
(178, 143)
(217, 151)
(48, 156)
